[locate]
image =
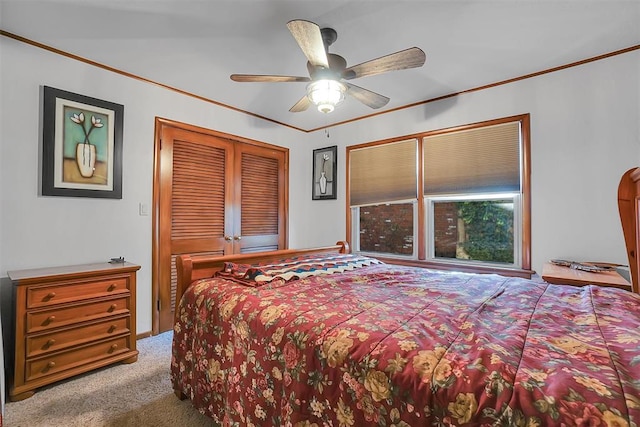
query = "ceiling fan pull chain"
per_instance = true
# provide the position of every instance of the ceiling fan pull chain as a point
(326, 127)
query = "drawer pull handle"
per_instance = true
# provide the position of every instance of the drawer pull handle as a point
(49, 366)
(113, 348)
(50, 296)
(112, 287)
(113, 307)
(50, 343)
(49, 320)
(112, 328)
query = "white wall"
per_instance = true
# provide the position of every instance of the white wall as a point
(584, 136)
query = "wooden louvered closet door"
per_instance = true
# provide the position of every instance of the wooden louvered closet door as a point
(216, 196)
(260, 195)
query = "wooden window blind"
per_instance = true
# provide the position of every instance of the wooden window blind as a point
(198, 204)
(383, 173)
(259, 202)
(479, 160)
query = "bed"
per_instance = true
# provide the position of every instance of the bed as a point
(324, 337)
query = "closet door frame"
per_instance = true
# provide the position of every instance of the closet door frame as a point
(158, 239)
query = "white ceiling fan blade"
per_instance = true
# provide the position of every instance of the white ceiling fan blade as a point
(367, 97)
(409, 58)
(267, 78)
(309, 38)
(301, 105)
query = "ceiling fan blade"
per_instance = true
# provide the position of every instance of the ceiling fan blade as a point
(263, 78)
(367, 97)
(301, 105)
(408, 58)
(309, 38)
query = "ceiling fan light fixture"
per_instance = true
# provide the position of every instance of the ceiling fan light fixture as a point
(326, 94)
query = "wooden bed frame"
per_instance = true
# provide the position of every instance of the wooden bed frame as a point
(629, 208)
(194, 267)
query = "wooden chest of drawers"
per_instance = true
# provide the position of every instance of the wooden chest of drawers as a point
(70, 320)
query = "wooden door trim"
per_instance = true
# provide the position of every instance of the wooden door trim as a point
(162, 122)
(155, 240)
(160, 125)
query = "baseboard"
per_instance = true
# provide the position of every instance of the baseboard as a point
(143, 335)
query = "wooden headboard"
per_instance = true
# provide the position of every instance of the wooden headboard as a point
(194, 267)
(629, 208)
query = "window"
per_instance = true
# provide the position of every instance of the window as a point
(457, 197)
(386, 228)
(481, 229)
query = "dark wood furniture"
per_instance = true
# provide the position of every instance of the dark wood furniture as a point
(70, 320)
(561, 275)
(629, 208)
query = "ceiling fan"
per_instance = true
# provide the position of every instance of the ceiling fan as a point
(329, 73)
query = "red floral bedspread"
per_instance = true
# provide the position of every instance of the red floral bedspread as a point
(395, 346)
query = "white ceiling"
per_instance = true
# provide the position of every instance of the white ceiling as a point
(194, 45)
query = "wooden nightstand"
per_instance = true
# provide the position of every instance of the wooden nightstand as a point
(70, 320)
(560, 275)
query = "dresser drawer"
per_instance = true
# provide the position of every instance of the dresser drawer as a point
(43, 296)
(74, 358)
(62, 339)
(63, 316)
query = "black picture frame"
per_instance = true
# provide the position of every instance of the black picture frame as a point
(325, 182)
(81, 146)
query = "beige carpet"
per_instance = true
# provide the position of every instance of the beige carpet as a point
(139, 394)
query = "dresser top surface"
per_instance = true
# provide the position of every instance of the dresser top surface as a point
(71, 270)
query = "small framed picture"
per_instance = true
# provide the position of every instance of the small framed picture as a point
(325, 173)
(81, 146)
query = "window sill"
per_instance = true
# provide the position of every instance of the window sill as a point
(511, 272)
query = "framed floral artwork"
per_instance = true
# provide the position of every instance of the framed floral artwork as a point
(81, 146)
(325, 173)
